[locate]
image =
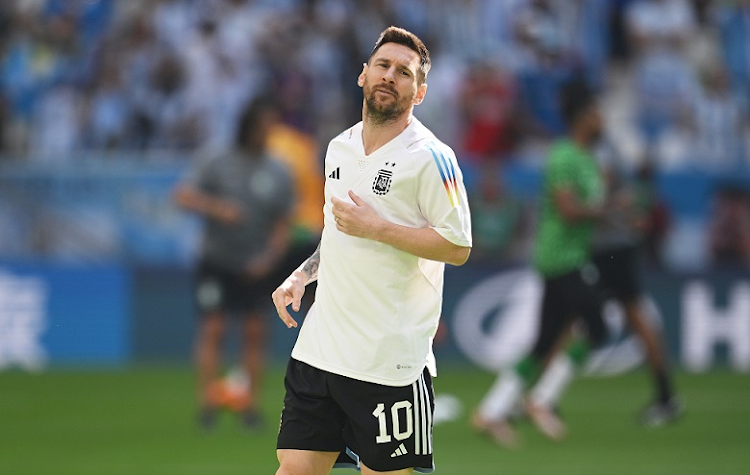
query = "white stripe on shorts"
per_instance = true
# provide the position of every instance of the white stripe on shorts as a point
(417, 417)
(422, 418)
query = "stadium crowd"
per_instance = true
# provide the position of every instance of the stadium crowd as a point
(173, 74)
(89, 77)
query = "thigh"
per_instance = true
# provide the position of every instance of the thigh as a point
(210, 289)
(305, 461)
(388, 428)
(586, 302)
(618, 269)
(310, 419)
(554, 318)
(220, 290)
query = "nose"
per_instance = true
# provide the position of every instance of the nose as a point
(389, 75)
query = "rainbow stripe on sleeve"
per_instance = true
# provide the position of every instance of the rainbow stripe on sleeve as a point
(447, 173)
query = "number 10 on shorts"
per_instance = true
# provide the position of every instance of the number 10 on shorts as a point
(382, 415)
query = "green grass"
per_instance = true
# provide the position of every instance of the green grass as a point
(141, 421)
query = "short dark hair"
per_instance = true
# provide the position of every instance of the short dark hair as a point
(394, 34)
(250, 117)
(575, 97)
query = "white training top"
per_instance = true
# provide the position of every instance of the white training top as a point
(377, 308)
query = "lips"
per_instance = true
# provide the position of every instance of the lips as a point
(386, 91)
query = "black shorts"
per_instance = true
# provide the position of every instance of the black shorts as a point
(384, 427)
(618, 271)
(217, 289)
(571, 296)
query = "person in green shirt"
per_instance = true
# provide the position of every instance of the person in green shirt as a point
(573, 201)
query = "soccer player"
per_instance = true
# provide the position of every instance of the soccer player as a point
(572, 203)
(358, 383)
(244, 196)
(616, 256)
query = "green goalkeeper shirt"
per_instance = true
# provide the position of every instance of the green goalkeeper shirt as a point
(563, 246)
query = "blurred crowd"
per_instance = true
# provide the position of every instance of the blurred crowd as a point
(153, 76)
(147, 75)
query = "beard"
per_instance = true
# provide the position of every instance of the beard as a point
(381, 112)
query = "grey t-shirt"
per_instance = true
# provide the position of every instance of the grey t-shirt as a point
(263, 189)
(616, 229)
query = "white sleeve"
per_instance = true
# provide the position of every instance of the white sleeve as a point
(442, 196)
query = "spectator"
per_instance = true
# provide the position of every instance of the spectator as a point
(545, 68)
(664, 80)
(729, 232)
(109, 124)
(719, 124)
(488, 99)
(498, 219)
(731, 21)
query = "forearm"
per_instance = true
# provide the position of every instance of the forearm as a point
(584, 213)
(201, 203)
(360, 220)
(422, 242)
(573, 210)
(308, 270)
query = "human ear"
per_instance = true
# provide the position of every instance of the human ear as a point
(361, 77)
(421, 91)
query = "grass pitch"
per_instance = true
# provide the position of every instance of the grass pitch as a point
(141, 421)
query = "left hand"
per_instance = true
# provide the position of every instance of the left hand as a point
(358, 219)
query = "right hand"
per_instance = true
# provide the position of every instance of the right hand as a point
(290, 292)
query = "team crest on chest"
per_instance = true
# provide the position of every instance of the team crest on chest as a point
(382, 183)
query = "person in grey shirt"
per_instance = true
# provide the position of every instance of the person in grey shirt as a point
(246, 198)
(616, 255)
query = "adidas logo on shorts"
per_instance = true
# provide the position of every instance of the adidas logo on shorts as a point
(401, 450)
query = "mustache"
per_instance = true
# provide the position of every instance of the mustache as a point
(385, 89)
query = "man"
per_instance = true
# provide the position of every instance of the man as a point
(572, 203)
(616, 256)
(246, 198)
(358, 384)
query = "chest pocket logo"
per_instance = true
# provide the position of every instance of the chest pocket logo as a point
(382, 182)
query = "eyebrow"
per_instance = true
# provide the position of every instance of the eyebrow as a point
(400, 66)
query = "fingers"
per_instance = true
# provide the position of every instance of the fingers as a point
(338, 208)
(296, 302)
(281, 299)
(357, 200)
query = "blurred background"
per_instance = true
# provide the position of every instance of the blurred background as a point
(105, 104)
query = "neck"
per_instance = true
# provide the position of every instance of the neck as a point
(375, 134)
(581, 139)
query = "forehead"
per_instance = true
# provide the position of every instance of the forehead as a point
(397, 53)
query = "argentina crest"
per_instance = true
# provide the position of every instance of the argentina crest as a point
(382, 182)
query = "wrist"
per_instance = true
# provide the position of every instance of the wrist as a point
(382, 231)
(300, 276)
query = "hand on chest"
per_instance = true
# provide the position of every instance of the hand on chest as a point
(387, 185)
